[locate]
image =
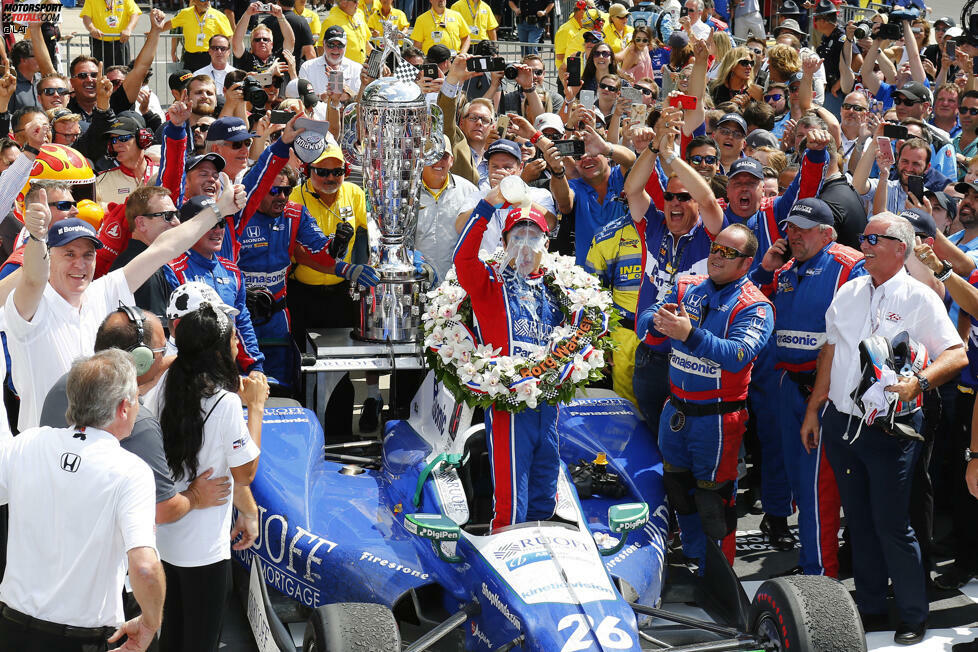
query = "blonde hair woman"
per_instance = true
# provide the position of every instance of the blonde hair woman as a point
(734, 76)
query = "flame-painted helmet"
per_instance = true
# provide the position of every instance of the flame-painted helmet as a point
(904, 355)
(60, 163)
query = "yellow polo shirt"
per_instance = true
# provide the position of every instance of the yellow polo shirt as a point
(110, 16)
(198, 30)
(315, 24)
(564, 37)
(617, 42)
(448, 29)
(398, 17)
(350, 206)
(357, 32)
(479, 17)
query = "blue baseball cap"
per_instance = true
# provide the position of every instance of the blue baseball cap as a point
(70, 229)
(749, 165)
(806, 213)
(735, 118)
(923, 223)
(503, 146)
(229, 129)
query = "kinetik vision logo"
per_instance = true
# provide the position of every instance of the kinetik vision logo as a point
(16, 16)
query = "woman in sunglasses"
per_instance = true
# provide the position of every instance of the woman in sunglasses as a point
(636, 59)
(735, 75)
(600, 62)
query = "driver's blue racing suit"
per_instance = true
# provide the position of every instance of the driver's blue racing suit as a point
(510, 312)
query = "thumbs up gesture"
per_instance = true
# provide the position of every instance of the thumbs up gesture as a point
(37, 217)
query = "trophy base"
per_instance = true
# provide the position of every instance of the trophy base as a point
(391, 311)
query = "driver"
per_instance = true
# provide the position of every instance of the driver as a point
(514, 312)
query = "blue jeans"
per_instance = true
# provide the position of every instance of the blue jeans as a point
(529, 34)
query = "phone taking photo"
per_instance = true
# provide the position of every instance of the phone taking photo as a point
(502, 124)
(915, 186)
(885, 150)
(375, 63)
(587, 100)
(571, 148)
(334, 84)
(951, 50)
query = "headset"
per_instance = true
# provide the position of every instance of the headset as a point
(144, 138)
(142, 355)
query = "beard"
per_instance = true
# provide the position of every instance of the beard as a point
(204, 108)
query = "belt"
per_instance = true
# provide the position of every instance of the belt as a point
(706, 409)
(627, 322)
(55, 629)
(343, 287)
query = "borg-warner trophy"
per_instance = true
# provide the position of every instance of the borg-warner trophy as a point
(398, 134)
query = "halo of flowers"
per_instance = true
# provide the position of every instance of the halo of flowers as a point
(573, 357)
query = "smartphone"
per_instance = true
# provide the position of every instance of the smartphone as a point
(375, 63)
(281, 117)
(687, 102)
(638, 113)
(632, 95)
(885, 148)
(502, 123)
(896, 132)
(761, 78)
(915, 185)
(430, 70)
(571, 148)
(334, 84)
(974, 66)
(951, 50)
(587, 100)
(319, 126)
(263, 78)
(574, 71)
(485, 64)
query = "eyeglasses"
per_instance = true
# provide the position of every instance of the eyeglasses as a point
(275, 191)
(71, 136)
(730, 133)
(220, 48)
(239, 144)
(640, 40)
(698, 159)
(480, 119)
(854, 107)
(168, 216)
(604, 54)
(726, 252)
(336, 45)
(124, 138)
(55, 91)
(747, 63)
(608, 87)
(970, 110)
(261, 39)
(678, 196)
(905, 101)
(773, 97)
(86, 75)
(64, 205)
(645, 90)
(874, 238)
(221, 223)
(539, 73)
(758, 51)
(202, 128)
(329, 172)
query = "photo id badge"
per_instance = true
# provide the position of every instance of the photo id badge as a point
(201, 40)
(436, 36)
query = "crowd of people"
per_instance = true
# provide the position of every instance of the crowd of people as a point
(787, 221)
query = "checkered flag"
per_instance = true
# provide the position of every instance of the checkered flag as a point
(405, 72)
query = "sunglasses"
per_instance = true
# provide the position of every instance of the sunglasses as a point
(641, 40)
(86, 75)
(608, 87)
(604, 54)
(261, 39)
(220, 48)
(64, 205)
(773, 97)
(55, 91)
(758, 51)
(645, 91)
(854, 107)
(874, 238)
(905, 101)
(336, 45)
(729, 253)
(973, 110)
(221, 223)
(202, 128)
(678, 196)
(698, 159)
(168, 216)
(730, 133)
(747, 63)
(329, 172)
(275, 191)
(71, 136)
(125, 138)
(794, 88)
(480, 119)
(239, 144)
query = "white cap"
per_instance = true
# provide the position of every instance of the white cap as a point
(191, 296)
(549, 121)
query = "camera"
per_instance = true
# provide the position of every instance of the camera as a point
(511, 72)
(254, 94)
(594, 479)
(863, 29)
(890, 32)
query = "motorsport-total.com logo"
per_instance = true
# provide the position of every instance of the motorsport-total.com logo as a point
(16, 16)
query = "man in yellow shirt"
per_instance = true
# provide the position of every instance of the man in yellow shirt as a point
(311, 17)
(385, 13)
(480, 19)
(110, 25)
(441, 25)
(569, 39)
(617, 32)
(348, 15)
(199, 23)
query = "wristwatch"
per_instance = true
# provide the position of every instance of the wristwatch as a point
(970, 455)
(669, 159)
(924, 383)
(30, 148)
(945, 272)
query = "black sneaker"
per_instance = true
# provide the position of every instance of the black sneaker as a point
(775, 528)
(370, 414)
(954, 578)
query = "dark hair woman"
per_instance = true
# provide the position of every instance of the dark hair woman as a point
(601, 62)
(204, 431)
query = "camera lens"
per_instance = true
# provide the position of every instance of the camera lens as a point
(511, 71)
(861, 31)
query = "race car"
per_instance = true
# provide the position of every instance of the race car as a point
(384, 545)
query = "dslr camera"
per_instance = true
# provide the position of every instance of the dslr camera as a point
(254, 93)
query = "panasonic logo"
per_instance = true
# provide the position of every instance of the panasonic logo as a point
(694, 365)
(803, 340)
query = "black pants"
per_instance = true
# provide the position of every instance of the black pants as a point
(196, 601)
(112, 53)
(922, 489)
(964, 506)
(20, 638)
(195, 60)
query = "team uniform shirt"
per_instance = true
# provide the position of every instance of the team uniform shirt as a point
(568, 40)
(376, 20)
(860, 310)
(116, 184)
(436, 236)
(316, 71)
(198, 30)
(589, 214)
(110, 17)
(618, 41)
(217, 75)
(492, 239)
(349, 206)
(357, 32)
(479, 18)
(448, 29)
(969, 375)
(42, 350)
(617, 257)
(315, 24)
(201, 537)
(77, 506)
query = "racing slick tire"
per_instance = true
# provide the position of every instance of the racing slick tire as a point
(351, 626)
(807, 612)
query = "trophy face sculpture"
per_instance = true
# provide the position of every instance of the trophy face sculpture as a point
(399, 134)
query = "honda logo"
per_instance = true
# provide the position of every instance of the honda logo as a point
(254, 232)
(70, 462)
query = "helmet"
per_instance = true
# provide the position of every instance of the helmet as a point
(91, 212)
(905, 356)
(60, 163)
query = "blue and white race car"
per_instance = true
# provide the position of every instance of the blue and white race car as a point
(384, 545)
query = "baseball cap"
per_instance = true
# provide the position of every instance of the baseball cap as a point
(964, 186)
(593, 36)
(216, 159)
(503, 146)
(193, 206)
(736, 118)
(806, 213)
(309, 146)
(678, 40)
(180, 79)
(762, 138)
(191, 296)
(749, 165)
(532, 214)
(947, 20)
(617, 11)
(332, 151)
(334, 33)
(790, 25)
(438, 53)
(123, 125)
(229, 128)
(949, 205)
(549, 121)
(923, 223)
(70, 229)
(795, 78)
(914, 91)
(301, 89)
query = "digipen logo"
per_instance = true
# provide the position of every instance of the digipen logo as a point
(70, 462)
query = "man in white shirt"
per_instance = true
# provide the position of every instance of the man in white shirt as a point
(334, 58)
(219, 51)
(54, 312)
(76, 525)
(874, 467)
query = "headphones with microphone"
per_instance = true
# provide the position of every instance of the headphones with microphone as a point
(142, 355)
(144, 138)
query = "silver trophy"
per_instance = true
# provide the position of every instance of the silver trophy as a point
(398, 135)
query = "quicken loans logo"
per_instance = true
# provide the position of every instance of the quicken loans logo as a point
(501, 606)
